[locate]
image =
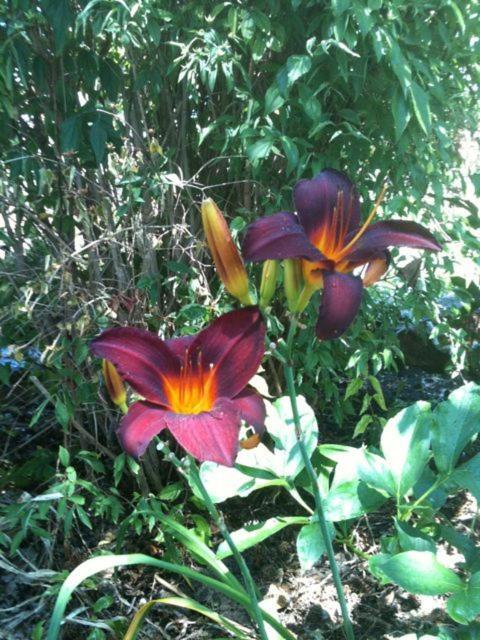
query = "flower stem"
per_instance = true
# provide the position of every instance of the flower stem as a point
(289, 378)
(242, 565)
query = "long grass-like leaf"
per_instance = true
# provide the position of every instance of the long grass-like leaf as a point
(185, 603)
(102, 563)
(198, 549)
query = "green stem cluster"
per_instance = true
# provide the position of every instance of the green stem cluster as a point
(195, 479)
(290, 380)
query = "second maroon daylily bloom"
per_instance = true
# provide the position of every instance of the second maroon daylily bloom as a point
(193, 386)
(328, 239)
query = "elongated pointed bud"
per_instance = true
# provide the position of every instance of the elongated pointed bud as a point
(228, 261)
(293, 282)
(115, 387)
(268, 282)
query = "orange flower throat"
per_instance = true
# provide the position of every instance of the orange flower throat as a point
(194, 390)
(330, 239)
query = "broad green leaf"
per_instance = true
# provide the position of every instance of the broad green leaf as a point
(273, 100)
(419, 572)
(467, 476)
(405, 443)
(310, 545)
(456, 421)
(351, 500)
(464, 606)
(260, 149)
(412, 539)
(295, 68)
(98, 139)
(226, 482)
(280, 425)
(421, 107)
(253, 534)
(373, 470)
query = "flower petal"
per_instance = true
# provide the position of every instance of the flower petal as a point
(315, 201)
(251, 408)
(211, 435)
(178, 346)
(376, 269)
(141, 424)
(342, 295)
(233, 345)
(277, 237)
(141, 357)
(392, 233)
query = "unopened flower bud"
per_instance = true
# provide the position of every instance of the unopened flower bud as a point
(268, 282)
(115, 387)
(292, 282)
(228, 262)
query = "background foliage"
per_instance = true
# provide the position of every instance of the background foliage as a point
(117, 116)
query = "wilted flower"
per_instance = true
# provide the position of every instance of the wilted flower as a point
(327, 236)
(228, 261)
(193, 386)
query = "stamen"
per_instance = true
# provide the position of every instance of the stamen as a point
(366, 224)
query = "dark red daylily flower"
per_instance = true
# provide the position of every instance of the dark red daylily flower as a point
(193, 386)
(326, 235)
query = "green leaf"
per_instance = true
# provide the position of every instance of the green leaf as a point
(373, 470)
(259, 150)
(467, 476)
(464, 606)
(253, 534)
(400, 112)
(118, 467)
(63, 456)
(98, 139)
(61, 16)
(62, 413)
(280, 425)
(405, 443)
(104, 563)
(458, 14)
(70, 134)
(419, 572)
(400, 66)
(225, 482)
(456, 421)
(273, 100)
(361, 425)
(184, 603)
(421, 107)
(412, 539)
(310, 545)
(351, 499)
(295, 68)
(353, 387)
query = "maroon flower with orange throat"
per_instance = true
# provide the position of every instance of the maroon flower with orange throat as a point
(194, 386)
(327, 237)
